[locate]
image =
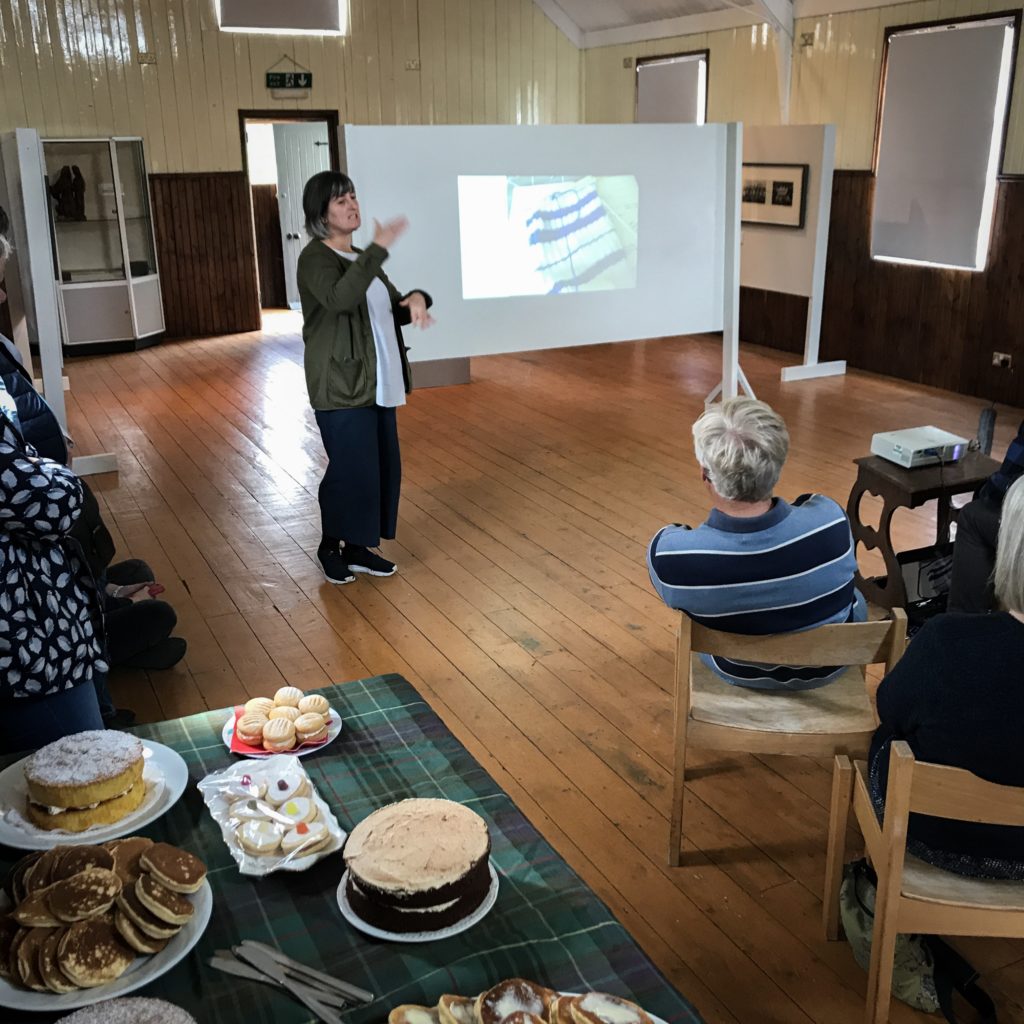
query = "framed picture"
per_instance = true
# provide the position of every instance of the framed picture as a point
(775, 194)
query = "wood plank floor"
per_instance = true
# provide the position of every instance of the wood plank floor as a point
(522, 611)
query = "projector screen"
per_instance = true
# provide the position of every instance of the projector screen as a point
(543, 237)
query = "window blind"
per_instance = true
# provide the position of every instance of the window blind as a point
(320, 16)
(673, 90)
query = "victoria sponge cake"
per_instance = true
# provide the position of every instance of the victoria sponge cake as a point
(88, 778)
(418, 865)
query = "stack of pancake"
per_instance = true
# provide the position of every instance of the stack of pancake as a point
(81, 914)
(516, 1001)
(418, 865)
(86, 779)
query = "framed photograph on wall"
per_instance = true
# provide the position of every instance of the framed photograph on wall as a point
(775, 194)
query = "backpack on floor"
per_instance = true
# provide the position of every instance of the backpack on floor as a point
(926, 971)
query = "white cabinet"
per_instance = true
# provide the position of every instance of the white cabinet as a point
(103, 245)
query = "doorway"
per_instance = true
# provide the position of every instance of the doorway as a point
(281, 151)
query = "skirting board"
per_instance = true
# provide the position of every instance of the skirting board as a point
(88, 465)
(440, 373)
(833, 369)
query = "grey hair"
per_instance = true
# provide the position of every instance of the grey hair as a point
(1009, 574)
(741, 445)
(6, 245)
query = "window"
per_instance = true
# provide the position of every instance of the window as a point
(672, 89)
(945, 92)
(310, 17)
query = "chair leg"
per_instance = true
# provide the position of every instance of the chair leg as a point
(675, 841)
(839, 813)
(883, 954)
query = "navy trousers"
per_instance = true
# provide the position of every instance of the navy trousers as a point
(359, 492)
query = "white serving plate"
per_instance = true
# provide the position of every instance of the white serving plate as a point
(333, 732)
(165, 771)
(142, 972)
(442, 933)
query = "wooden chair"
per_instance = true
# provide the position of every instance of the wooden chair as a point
(838, 718)
(914, 896)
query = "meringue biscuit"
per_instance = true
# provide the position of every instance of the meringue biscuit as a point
(299, 808)
(314, 704)
(279, 735)
(305, 838)
(166, 904)
(286, 786)
(259, 706)
(288, 696)
(135, 936)
(249, 729)
(85, 895)
(286, 711)
(52, 975)
(126, 853)
(144, 920)
(260, 837)
(310, 728)
(174, 868)
(92, 953)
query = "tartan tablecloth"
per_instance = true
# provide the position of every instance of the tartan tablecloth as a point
(547, 925)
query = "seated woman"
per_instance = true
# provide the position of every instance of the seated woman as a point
(956, 698)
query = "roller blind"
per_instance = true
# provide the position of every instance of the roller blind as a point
(673, 90)
(319, 16)
(941, 133)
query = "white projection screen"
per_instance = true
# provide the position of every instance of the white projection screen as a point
(550, 236)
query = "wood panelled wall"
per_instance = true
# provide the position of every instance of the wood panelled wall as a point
(206, 253)
(72, 68)
(924, 324)
(835, 81)
(266, 220)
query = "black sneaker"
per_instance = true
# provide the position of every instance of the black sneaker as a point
(364, 560)
(335, 568)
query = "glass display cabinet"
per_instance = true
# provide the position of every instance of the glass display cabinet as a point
(103, 245)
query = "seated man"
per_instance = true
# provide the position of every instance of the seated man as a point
(758, 565)
(977, 527)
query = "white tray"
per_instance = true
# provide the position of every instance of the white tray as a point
(442, 933)
(333, 731)
(166, 776)
(142, 972)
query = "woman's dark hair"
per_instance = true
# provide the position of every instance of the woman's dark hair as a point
(317, 196)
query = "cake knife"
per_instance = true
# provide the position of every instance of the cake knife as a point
(259, 959)
(315, 977)
(226, 961)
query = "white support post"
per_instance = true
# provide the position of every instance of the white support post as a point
(732, 375)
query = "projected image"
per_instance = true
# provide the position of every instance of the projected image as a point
(547, 235)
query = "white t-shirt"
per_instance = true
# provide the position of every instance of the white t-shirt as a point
(390, 382)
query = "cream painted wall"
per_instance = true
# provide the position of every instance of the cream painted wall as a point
(70, 68)
(834, 81)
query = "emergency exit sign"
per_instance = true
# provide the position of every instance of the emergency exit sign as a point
(289, 79)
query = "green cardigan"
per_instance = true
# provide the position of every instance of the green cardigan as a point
(340, 357)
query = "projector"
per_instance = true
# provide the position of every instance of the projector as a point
(919, 446)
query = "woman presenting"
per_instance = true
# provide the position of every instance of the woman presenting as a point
(357, 374)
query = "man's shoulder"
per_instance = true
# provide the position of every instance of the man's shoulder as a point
(816, 506)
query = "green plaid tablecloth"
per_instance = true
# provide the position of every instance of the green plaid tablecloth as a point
(547, 924)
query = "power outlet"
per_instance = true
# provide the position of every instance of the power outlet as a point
(1003, 360)
(627, 62)
(146, 57)
(412, 65)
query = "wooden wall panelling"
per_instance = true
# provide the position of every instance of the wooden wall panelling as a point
(266, 215)
(773, 319)
(206, 253)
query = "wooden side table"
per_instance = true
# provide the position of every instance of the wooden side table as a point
(907, 488)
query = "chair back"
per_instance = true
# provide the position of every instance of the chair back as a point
(945, 792)
(847, 643)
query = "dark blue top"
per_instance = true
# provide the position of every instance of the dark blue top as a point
(995, 488)
(957, 698)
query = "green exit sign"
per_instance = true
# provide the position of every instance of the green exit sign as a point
(289, 79)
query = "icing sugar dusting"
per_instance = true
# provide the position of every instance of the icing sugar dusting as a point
(609, 1009)
(83, 757)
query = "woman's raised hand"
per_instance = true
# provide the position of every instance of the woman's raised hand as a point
(417, 307)
(388, 233)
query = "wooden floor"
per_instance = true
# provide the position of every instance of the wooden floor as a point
(522, 611)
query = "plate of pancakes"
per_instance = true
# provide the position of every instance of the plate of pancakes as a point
(85, 923)
(89, 787)
(290, 722)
